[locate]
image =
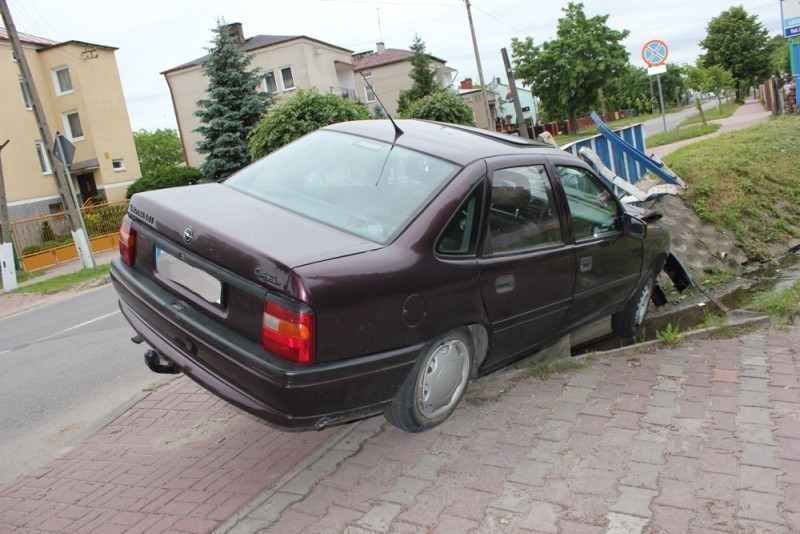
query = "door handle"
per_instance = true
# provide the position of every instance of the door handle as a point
(504, 284)
(586, 264)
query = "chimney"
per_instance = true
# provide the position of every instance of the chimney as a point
(381, 48)
(466, 83)
(235, 30)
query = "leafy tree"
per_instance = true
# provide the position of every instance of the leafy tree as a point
(442, 106)
(737, 42)
(719, 80)
(158, 149)
(698, 80)
(164, 178)
(567, 72)
(233, 107)
(780, 63)
(630, 89)
(295, 117)
(423, 77)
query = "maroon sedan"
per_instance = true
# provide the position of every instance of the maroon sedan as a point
(364, 270)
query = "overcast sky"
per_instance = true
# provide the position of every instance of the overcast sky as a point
(155, 35)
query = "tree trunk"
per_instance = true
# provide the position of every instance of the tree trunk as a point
(573, 122)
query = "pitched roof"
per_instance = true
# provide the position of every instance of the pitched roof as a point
(254, 43)
(27, 38)
(387, 57)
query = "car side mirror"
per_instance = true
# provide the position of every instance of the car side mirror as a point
(634, 227)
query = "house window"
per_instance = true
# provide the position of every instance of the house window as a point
(367, 74)
(44, 162)
(26, 95)
(13, 56)
(56, 208)
(72, 123)
(270, 83)
(118, 165)
(62, 81)
(370, 93)
(288, 79)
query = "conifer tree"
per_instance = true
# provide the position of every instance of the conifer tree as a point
(234, 106)
(423, 76)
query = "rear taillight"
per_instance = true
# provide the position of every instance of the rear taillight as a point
(288, 333)
(127, 241)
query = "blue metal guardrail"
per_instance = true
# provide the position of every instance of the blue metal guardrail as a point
(616, 159)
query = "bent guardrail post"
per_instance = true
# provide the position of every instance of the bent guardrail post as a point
(654, 165)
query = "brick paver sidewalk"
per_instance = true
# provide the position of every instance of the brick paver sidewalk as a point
(703, 436)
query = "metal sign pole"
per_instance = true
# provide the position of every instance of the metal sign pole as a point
(661, 102)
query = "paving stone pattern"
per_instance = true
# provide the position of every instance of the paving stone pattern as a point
(700, 437)
(181, 460)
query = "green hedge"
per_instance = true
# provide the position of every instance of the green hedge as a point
(165, 178)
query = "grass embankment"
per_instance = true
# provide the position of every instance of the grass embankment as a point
(63, 282)
(723, 112)
(746, 184)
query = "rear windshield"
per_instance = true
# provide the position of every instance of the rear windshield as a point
(365, 187)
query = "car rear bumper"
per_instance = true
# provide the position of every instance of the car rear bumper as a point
(242, 373)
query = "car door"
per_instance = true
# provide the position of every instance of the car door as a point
(608, 262)
(527, 270)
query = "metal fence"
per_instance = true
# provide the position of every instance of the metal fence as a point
(51, 231)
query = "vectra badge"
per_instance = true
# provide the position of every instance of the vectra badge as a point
(188, 235)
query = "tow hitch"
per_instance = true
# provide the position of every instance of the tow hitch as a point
(159, 364)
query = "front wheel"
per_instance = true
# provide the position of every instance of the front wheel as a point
(435, 385)
(627, 322)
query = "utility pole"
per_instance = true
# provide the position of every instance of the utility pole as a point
(512, 85)
(489, 117)
(6, 248)
(73, 215)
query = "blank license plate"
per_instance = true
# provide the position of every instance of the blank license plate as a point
(192, 278)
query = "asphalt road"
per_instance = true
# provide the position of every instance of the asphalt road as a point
(66, 369)
(656, 125)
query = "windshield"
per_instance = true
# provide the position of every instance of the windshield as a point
(365, 187)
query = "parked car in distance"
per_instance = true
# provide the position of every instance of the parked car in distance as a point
(364, 270)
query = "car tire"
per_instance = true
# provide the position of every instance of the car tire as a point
(626, 322)
(435, 385)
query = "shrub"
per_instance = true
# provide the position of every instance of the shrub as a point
(443, 106)
(294, 117)
(165, 178)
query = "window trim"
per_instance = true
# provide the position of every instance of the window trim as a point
(44, 161)
(121, 167)
(57, 83)
(283, 79)
(68, 126)
(274, 81)
(26, 94)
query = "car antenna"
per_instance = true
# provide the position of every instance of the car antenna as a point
(397, 131)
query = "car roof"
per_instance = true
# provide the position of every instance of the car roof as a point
(459, 144)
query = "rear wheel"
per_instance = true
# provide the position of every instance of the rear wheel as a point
(627, 322)
(435, 385)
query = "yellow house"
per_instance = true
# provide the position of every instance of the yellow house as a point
(81, 93)
(388, 70)
(286, 62)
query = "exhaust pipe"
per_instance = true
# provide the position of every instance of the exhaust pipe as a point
(159, 364)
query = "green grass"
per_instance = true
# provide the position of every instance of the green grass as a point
(746, 184)
(64, 282)
(670, 335)
(545, 368)
(724, 112)
(681, 134)
(22, 276)
(779, 304)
